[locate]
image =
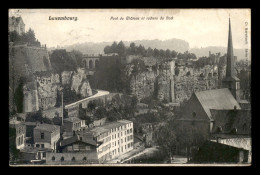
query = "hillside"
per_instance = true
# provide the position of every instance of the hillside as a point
(199, 52)
(96, 48)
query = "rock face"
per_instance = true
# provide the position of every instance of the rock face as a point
(160, 80)
(157, 80)
(47, 86)
(78, 82)
(142, 85)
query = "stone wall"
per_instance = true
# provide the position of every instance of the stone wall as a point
(91, 157)
(24, 61)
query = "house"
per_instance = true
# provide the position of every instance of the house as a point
(46, 136)
(16, 24)
(17, 133)
(75, 150)
(34, 155)
(72, 124)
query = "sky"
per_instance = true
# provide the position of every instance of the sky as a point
(199, 27)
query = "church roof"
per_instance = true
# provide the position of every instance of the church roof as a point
(216, 99)
(229, 119)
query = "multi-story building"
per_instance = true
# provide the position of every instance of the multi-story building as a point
(46, 136)
(116, 137)
(16, 24)
(19, 133)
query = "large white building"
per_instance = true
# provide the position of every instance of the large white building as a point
(117, 138)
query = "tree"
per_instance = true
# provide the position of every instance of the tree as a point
(156, 52)
(91, 105)
(149, 52)
(166, 139)
(132, 48)
(173, 54)
(78, 57)
(121, 48)
(107, 49)
(14, 36)
(162, 53)
(168, 53)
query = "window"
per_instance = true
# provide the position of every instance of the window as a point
(115, 143)
(84, 158)
(44, 154)
(73, 159)
(42, 145)
(125, 146)
(69, 148)
(37, 145)
(19, 141)
(22, 140)
(42, 135)
(112, 136)
(115, 136)
(118, 150)
(80, 138)
(53, 158)
(62, 158)
(194, 114)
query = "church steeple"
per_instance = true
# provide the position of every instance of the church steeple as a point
(231, 81)
(230, 70)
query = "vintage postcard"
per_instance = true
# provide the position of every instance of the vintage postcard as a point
(129, 87)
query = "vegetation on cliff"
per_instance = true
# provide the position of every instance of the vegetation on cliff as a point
(28, 37)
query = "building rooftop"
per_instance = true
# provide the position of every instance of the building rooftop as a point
(47, 127)
(108, 126)
(230, 119)
(77, 138)
(216, 99)
(72, 119)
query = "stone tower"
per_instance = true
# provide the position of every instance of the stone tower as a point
(231, 81)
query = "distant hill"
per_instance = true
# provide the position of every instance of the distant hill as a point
(199, 52)
(96, 48)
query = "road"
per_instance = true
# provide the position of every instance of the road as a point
(132, 154)
(98, 94)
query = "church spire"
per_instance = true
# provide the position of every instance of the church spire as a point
(230, 72)
(231, 81)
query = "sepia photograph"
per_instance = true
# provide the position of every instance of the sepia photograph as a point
(129, 87)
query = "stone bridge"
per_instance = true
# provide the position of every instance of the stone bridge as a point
(90, 61)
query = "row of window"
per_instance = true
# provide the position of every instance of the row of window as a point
(121, 127)
(20, 130)
(77, 125)
(62, 158)
(20, 141)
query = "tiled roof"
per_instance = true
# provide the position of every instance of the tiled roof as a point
(76, 138)
(216, 99)
(229, 119)
(47, 127)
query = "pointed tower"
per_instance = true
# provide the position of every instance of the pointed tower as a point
(231, 81)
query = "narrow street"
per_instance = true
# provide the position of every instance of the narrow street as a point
(133, 154)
